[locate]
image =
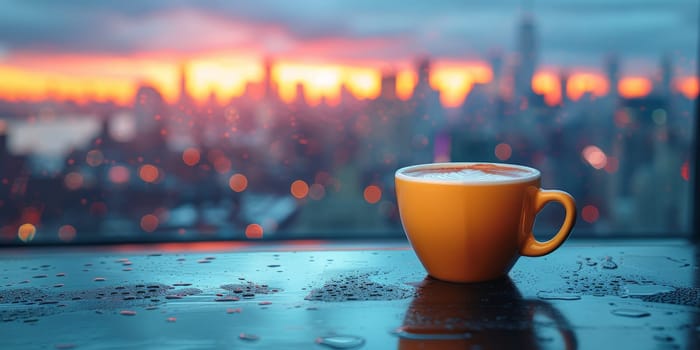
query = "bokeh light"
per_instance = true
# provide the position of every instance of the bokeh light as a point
(31, 215)
(149, 222)
(119, 174)
(372, 194)
(149, 173)
(238, 182)
(590, 214)
(503, 151)
(595, 157)
(685, 171)
(317, 191)
(222, 165)
(73, 180)
(98, 209)
(254, 231)
(94, 158)
(299, 189)
(26, 232)
(191, 156)
(66, 233)
(612, 165)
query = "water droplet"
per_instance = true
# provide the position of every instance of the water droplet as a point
(341, 341)
(227, 298)
(630, 313)
(557, 296)
(609, 264)
(646, 289)
(127, 313)
(248, 337)
(663, 338)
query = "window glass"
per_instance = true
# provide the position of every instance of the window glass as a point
(162, 120)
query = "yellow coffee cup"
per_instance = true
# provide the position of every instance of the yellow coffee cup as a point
(470, 222)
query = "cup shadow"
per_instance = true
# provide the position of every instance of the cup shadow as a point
(488, 315)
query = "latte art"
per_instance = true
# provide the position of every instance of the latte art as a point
(473, 173)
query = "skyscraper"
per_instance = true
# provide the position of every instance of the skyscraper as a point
(423, 84)
(612, 72)
(563, 86)
(495, 58)
(666, 67)
(268, 83)
(388, 89)
(184, 95)
(526, 56)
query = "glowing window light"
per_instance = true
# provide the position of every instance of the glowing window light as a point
(238, 182)
(26, 232)
(372, 194)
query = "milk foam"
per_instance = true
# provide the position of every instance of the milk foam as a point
(479, 173)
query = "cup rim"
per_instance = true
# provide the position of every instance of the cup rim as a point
(400, 173)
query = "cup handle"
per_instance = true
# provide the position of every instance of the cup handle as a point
(533, 247)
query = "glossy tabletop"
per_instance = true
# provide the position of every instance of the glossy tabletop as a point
(640, 294)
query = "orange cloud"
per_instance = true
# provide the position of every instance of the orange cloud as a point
(581, 83)
(632, 87)
(547, 84)
(688, 86)
(455, 80)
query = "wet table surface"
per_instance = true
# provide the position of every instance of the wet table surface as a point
(640, 294)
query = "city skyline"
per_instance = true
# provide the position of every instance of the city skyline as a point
(225, 49)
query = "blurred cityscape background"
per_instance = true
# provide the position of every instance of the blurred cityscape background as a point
(263, 142)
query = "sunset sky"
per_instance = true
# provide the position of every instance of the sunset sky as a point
(103, 49)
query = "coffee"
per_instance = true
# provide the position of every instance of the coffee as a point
(472, 173)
